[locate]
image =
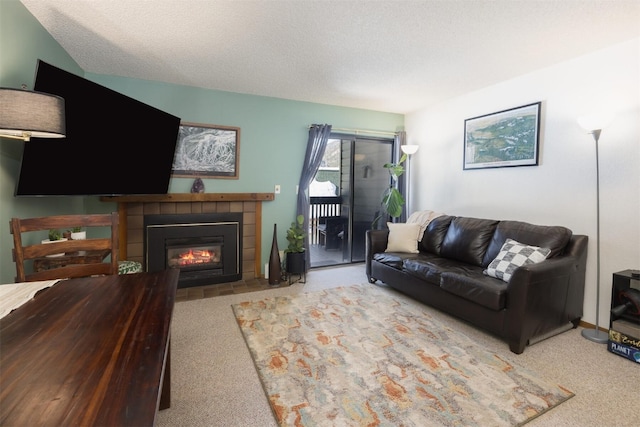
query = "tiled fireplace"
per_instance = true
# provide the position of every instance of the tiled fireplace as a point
(133, 209)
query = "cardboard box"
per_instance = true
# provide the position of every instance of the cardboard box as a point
(624, 345)
(626, 327)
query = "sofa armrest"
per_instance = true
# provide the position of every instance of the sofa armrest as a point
(547, 295)
(375, 242)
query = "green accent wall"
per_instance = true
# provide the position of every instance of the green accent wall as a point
(22, 42)
(273, 132)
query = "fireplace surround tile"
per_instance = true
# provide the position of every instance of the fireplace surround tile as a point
(133, 208)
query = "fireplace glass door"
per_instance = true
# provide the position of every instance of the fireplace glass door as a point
(195, 254)
(205, 247)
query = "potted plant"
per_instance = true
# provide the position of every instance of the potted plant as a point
(54, 236)
(392, 200)
(295, 250)
(77, 233)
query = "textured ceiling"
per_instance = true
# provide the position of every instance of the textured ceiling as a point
(393, 55)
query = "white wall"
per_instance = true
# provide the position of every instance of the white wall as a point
(561, 190)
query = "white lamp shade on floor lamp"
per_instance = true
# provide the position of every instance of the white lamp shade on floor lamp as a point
(409, 149)
(595, 121)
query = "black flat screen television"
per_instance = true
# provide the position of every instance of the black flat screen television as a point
(114, 145)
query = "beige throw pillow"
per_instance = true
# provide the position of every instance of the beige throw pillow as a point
(403, 237)
(423, 218)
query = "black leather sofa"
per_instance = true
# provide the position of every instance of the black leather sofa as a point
(447, 273)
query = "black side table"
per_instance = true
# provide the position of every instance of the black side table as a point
(625, 283)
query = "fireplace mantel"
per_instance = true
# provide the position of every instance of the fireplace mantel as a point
(131, 210)
(190, 197)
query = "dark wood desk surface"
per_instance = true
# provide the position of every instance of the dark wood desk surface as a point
(88, 351)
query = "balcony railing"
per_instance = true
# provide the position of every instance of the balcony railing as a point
(321, 208)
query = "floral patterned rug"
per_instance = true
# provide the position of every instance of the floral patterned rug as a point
(362, 356)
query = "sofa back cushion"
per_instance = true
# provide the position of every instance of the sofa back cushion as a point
(467, 239)
(434, 234)
(554, 238)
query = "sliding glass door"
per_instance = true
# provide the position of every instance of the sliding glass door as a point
(363, 188)
(359, 184)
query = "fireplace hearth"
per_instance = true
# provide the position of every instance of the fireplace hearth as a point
(205, 247)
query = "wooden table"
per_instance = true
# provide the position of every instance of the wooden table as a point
(89, 351)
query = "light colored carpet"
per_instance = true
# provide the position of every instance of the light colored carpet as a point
(214, 381)
(359, 356)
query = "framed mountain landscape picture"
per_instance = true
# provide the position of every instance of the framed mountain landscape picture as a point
(503, 139)
(209, 151)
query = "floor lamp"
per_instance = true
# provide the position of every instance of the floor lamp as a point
(594, 125)
(409, 149)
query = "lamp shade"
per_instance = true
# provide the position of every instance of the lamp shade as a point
(409, 149)
(25, 114)
(595, 121)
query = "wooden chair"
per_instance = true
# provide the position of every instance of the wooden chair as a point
(330, 228)
(64, 259)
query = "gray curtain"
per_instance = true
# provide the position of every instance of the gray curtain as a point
(401, 139)
(316, 145)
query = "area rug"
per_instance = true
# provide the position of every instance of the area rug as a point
(363, 356)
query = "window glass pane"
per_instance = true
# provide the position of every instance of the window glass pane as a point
(327, 180)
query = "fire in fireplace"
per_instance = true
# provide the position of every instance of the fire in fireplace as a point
(193, 255)
(206, 248)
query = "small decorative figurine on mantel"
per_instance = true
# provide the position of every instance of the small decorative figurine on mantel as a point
(198, 186)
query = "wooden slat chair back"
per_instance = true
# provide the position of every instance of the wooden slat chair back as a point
(77, 266)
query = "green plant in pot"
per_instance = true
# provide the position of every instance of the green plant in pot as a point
(392, 200)
(54, 234)
(77, 233)
(295, 250)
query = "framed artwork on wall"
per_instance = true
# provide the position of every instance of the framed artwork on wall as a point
(503, 139)
(208, 151)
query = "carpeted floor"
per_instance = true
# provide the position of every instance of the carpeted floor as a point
(359, 356)
(214, 382)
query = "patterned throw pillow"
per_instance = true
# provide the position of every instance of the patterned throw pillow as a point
(129, 267)
(513, 255)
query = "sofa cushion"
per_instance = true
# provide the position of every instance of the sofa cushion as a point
(403, 237)
(429, 267)
(513, 255)
(476, 287)
(434, 234)
(555, 238)
(392, 260)
(467, 239)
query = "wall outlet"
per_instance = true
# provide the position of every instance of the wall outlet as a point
(277, 189)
